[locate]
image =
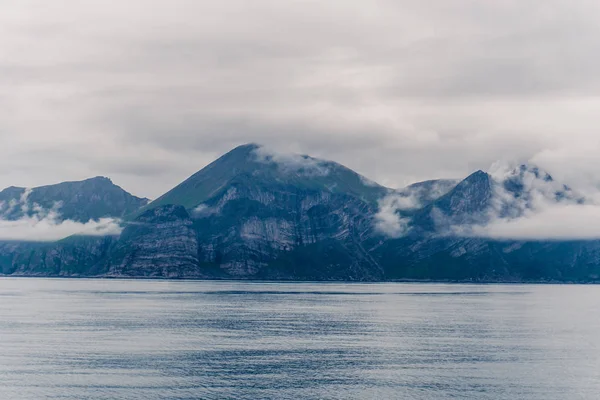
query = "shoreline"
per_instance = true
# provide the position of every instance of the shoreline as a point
(250, 280)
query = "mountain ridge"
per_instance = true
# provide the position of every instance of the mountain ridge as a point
(81, 201)
(245, 161)
(257, 214)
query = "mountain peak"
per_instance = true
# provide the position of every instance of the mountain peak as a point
(81, 201)
(466, 202)
(242, 151)
(10, 192)
(248, 147)
(479, 174)
(502, 171)
(260, 168)
(99, 179)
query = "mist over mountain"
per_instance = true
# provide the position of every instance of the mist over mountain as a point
(257, 166)
(92, 206)
(80, 201)
(255, 213)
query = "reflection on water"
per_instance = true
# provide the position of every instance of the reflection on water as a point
(124, 339)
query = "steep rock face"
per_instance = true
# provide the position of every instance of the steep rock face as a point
(81, 201)
(466, 203)
(254, 214)
(75, 256)
(252, 207)
(159, 243)
(246, 229)
(469, 197)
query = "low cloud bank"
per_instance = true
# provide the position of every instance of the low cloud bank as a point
(37, 224)
(544, 214)
(544, 209)
(559, 222)
(50, 228)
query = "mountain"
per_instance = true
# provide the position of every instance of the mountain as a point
(252, 165)
(252, 213)
(252, 208)
(428, 191)
(466, 203)
(482, 197)
(441, 244)
(270, 207)
(259, 214)
(527, 183)
(80, 201)
(160, 243)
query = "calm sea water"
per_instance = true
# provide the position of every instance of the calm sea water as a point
(125, 339)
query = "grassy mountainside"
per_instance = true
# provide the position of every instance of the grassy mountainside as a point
(79, 201)
(248, 163)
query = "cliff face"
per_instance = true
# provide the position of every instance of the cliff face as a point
(257, 215)
(243, 234)
(159, 243)
(264, 209)
(245, 230)
(466, 203)
(77, 256)
(247, 215)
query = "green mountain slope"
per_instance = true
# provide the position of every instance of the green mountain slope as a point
(250, 164)
(80, 201)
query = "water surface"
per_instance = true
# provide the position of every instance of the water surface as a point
(128, 339)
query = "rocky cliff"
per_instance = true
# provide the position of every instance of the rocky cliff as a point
(255, 214)
(159, 243)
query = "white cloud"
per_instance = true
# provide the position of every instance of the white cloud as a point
(51, 228)
(388, 219)
(204, 210)
(556, 222)
(544, 209)
(291, 162)
(43, 225)
(538, 213)
(368, 182)
(24, 201)
(150, 91)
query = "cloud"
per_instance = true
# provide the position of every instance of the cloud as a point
(526, 204)
(388, 220)
(51, 228)
(203, 210)
(292, 163)
(36, 224)
(368, 182)
(148, 92)
(556, 222)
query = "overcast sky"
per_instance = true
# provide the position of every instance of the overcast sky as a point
(149, 91)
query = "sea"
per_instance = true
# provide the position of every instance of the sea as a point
(158, 339)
